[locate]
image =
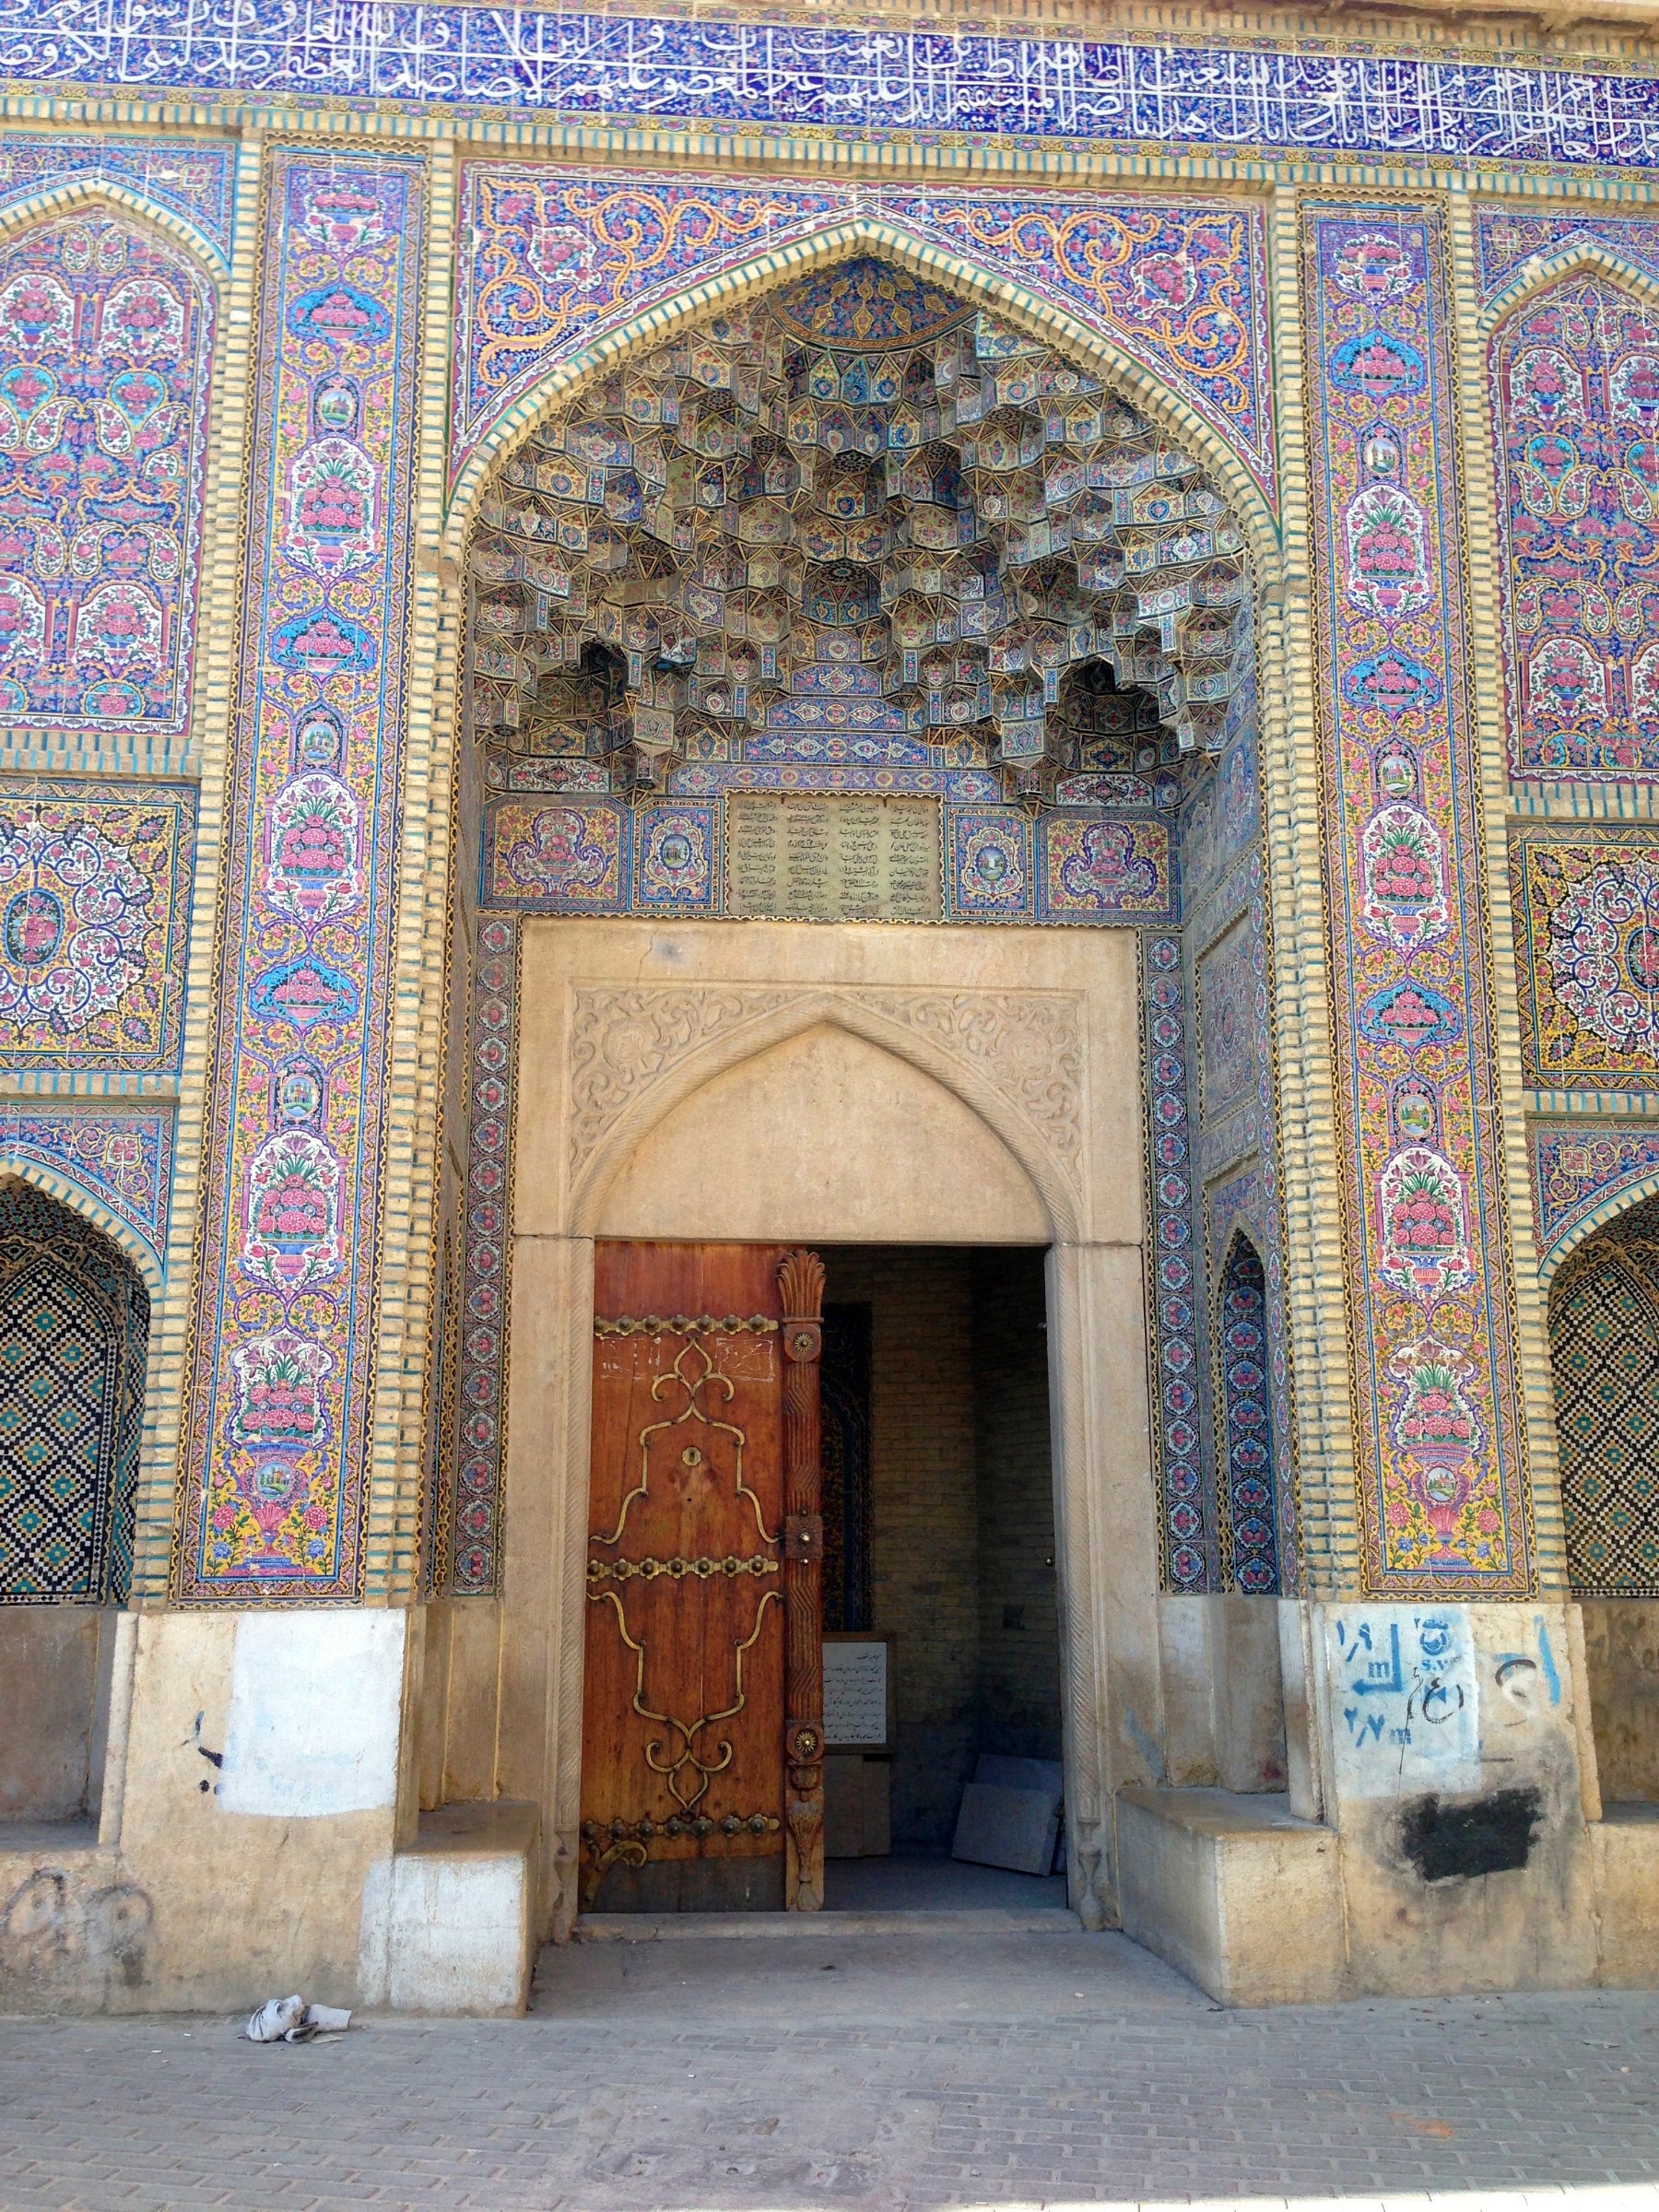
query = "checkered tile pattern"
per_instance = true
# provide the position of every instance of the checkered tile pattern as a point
(73, 1322)
(1604, 1337)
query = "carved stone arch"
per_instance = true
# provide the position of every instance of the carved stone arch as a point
(1048, 1157)
(1090, 346)
(53, 1184)
(1578, 257)
(56, 202)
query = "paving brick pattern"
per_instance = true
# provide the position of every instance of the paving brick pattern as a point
(888, 2073)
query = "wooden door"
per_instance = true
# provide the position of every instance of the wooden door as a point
(703, 1728)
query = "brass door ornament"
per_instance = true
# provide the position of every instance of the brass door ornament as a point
(682, 1757)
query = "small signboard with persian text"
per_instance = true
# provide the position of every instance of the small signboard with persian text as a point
(856, 1694)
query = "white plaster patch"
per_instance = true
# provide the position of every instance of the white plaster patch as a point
(314, 1703)
(1405, 1697)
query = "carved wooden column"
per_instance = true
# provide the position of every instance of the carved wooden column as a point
(801, 1287)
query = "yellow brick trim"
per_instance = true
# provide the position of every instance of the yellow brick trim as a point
(418, 979)
(1483, 585)
(217, 634)
(1315, 1283)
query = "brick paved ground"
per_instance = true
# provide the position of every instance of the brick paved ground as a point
(865, 2071)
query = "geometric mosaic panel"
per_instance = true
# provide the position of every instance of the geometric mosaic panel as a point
(1604, 1342)
(73, 1329)
(1185, 1535)
(481, 1375)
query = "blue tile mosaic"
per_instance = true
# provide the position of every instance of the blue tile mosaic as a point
(792, 75)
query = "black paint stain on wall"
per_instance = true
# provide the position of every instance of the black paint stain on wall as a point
(1491, 1835)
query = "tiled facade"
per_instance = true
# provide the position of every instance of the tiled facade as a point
(1314, 393)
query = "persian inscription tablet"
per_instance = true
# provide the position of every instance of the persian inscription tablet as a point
(806, 858)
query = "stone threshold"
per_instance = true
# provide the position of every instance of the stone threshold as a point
(667, 1927)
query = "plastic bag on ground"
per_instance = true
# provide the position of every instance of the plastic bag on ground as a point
(292, 2020)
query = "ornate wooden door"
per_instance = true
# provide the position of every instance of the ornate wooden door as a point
(702, 1730)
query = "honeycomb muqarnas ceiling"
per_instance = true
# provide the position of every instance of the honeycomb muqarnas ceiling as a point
(856, 519)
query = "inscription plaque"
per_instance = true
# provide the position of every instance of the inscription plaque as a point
(856, 1694)
(804, 858)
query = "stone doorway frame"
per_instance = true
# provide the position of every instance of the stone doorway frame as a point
(1048, 1067)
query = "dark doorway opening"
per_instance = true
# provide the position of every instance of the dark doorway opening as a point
(939, 1542)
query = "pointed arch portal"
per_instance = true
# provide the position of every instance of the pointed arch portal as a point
(860, 603)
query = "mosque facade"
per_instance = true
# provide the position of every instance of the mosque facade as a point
(826, 847)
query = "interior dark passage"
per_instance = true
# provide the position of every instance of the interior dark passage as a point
(939, 1538)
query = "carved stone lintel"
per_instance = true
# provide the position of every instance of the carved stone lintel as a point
(1027, 1046)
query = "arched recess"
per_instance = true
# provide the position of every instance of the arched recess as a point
(73, 1349)
(977, 1103)
(1604, 1345)
(1573, 359)
(826, 1136)
(1089, 345)
(1245, 1475)
(73, 1352)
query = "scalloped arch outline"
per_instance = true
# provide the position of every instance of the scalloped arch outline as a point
(846, 240)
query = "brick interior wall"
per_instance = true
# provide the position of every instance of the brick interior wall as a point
(962, 1532)
(1019, 1616)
